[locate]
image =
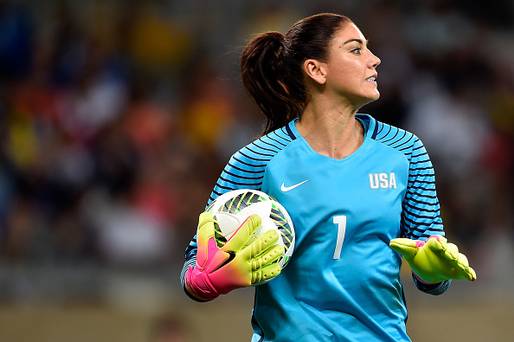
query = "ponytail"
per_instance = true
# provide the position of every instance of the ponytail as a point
(265, 76)
(272, 63)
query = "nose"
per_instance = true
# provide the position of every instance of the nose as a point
(374, 60)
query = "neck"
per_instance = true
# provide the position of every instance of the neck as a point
(330, 127)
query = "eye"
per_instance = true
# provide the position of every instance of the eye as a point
(356, 51)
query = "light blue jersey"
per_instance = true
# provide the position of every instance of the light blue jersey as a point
(343, 281)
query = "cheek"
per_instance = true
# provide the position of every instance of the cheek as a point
(345, 75)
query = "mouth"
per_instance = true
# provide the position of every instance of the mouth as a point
(372, 78)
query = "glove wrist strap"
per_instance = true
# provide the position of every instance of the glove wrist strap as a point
(198, 285)
(423, 281)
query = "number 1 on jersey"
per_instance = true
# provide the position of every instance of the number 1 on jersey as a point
(340, 220)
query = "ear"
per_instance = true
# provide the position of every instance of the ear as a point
(316, 70)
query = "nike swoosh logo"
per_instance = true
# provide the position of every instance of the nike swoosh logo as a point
(285, 188)
(231, 256)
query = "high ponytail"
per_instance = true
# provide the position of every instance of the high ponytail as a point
(264, 74)
(271, 66)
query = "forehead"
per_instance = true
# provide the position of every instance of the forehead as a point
(347, 32)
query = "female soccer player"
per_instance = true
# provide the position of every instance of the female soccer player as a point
(353, 186)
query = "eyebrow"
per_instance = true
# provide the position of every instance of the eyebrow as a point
(360, 41)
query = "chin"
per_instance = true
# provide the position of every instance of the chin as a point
(367, 98)
(375, 96)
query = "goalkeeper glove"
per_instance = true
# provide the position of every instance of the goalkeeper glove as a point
(435, 260)
(244, 260)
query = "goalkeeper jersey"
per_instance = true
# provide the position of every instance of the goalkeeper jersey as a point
(343, 281)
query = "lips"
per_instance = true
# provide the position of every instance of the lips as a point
(372, 78)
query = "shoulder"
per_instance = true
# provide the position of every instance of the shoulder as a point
(395, 138)
(247, 166)
(258, 153)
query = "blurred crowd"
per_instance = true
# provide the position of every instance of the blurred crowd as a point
(116, 118)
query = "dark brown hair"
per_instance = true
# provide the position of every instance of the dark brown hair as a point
(271, 65)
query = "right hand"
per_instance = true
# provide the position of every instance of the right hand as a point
(244, 260)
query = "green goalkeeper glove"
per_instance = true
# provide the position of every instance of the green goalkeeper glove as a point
(244, 260)
(435, 260)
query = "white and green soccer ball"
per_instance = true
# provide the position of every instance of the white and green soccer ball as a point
(231, 209)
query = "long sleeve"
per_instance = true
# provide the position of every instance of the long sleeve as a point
(244, 170)
(421, 216)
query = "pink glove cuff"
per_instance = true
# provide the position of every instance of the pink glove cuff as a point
(198, 284)
(421, 243)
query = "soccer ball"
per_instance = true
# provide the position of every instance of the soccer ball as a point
(232, 208)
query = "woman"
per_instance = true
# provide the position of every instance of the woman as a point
(352, 185)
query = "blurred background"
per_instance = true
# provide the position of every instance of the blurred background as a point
(116, 118)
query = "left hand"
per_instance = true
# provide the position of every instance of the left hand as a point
(435, 260)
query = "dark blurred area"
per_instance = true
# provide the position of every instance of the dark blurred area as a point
(116, 118)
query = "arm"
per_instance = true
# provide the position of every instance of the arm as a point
(240, 172)
(421, 221)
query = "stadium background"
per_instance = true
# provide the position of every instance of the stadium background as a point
(116, 118)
